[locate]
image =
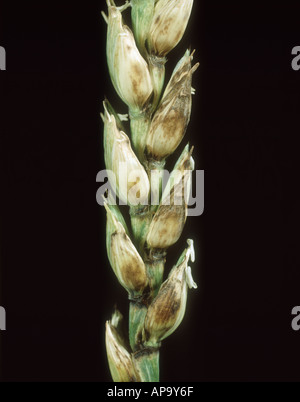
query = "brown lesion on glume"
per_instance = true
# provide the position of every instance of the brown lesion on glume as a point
(137, 78)
(169, 221)
(170, 213)
(167, 305)
(121, 363)
(173, 115)
(174, 128)
(145, 352)
(133, 273)
(167, 24)
(157, 19)
(134, 183)
(182, 72)
(166, 212)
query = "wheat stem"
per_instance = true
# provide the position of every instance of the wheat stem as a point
(158, 121)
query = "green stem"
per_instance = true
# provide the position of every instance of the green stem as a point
(146, 362)
(155, 271)
(137, 314)
(139, 124)
(141, 217)
(155, 171)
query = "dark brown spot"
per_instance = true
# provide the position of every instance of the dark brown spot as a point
(167, 305)
(167, 24)
(134, 275)
(157, 19)
(163, 232)
(145, 352)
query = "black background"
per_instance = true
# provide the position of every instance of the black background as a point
(57, 286)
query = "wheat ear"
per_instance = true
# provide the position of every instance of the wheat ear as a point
(158, 120)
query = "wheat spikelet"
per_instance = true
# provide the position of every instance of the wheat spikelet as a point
(158, 121)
